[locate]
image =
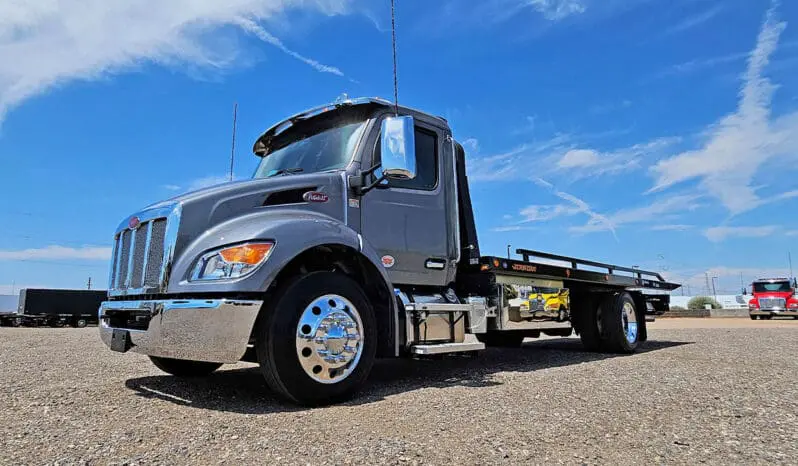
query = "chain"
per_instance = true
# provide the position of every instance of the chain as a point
(395, 79)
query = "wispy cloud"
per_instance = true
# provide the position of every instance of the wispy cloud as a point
(740, 143)
(48, 43)
(556, 10)
(694, 20)
(672, 227)
(567, 157)
(572, 206)
(200, 183)
(718, 234)
(664, 208)
(51, 253)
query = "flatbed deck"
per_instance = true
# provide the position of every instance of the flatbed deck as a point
(607, 276)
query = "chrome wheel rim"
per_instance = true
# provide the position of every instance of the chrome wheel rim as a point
(629, 319)
(329, 339)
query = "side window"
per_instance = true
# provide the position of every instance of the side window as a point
(426, 162)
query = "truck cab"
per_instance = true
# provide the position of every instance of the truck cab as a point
(772, 297)
(353, 240)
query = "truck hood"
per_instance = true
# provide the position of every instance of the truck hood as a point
(203, 209)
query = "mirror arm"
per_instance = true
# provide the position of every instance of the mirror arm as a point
(376, 184)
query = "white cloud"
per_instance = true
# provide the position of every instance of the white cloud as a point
(717, 234)
(671, 227)
(741, 142)
(791, 233)
(579, 158)
(54, 252)
(584, 163)
(47, 43)
(171, 187)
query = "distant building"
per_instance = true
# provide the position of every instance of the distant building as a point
(728, 301)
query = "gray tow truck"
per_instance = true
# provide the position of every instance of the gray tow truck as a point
(354, 240)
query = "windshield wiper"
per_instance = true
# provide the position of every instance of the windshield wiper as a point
(285, 171)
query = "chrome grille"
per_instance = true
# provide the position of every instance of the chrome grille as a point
(142, 255)
(772, 303)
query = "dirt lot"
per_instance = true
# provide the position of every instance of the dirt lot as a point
(716, 391)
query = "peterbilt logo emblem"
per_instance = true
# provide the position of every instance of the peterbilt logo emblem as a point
(133, 223)
(315, 196)
(388, 261)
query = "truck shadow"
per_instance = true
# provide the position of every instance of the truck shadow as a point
(242, 390)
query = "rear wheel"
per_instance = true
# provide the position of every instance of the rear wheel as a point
(80, 323)
(753, 317)
(316, 341)
(618, 323)
(183, 367)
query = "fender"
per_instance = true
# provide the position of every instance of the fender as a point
(294, 231)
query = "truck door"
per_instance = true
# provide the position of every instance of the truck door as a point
(406, 222)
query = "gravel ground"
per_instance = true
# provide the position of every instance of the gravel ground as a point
(717, 395)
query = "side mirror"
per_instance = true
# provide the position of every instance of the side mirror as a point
(398, 148)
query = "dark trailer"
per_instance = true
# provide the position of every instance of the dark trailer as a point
(59, 308)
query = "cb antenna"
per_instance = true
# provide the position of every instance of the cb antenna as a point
(233, 148)
(393, 41)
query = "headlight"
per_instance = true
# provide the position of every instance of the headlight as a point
(232, 262)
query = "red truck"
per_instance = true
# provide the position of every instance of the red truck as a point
(773, 297)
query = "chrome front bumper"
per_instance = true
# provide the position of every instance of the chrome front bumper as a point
(216, 330)
(773, 312)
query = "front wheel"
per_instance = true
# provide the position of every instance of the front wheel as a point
(316, 341)
(80, 323)
(183, 367)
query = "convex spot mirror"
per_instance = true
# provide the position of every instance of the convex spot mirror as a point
(398, 148)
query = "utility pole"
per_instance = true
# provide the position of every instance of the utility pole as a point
(706, 276)
(88, 285)
(508, 251)
(742, 285)
(233, 145)
(714, 293)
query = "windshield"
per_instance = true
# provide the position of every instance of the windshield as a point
(771, 287)
(330, 149)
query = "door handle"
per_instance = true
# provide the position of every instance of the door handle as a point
(435, 264)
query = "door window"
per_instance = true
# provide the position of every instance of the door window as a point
(426, 162)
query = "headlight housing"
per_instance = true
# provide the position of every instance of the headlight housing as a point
(232, 262)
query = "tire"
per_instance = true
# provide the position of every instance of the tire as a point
(183, 367)
(317, 318)
(619, 324)
(753, 317)
(80, 323)
(501, 339)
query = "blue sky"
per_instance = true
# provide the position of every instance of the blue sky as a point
(655, 133)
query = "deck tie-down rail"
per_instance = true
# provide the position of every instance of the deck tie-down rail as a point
(527, 253)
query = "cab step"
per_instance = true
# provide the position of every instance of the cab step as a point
(469, 344)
